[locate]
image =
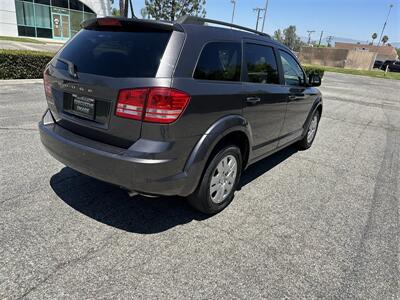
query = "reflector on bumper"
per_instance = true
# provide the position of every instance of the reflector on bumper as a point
(48, 118)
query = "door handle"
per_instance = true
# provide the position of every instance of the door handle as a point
(253, 100)
(294, 97)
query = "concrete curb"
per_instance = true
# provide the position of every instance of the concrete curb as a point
(20, 81)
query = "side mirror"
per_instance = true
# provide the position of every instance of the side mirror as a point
(314, 80)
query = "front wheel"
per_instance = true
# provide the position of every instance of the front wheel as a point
(217, 187)
(309, 137)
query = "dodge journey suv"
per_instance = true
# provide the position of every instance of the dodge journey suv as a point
(180, 108)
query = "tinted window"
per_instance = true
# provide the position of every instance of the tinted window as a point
(219, 61)
(117, 54)
(261, 64)
(292, 71)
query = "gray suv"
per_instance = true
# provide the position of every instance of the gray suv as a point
(181, 108)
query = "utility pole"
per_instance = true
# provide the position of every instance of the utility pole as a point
(265, 14)
(309, 35)
(329, 39)
(384, 25)
(320, 38)
(126, 8)
(258, 10)
(132, 12)
(121, 8)
(234, 7)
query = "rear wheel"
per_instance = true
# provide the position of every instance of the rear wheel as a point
(219, 182)
(309, 137)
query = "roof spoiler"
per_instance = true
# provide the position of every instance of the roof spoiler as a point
(119, 22)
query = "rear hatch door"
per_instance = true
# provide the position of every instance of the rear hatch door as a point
(88, 73)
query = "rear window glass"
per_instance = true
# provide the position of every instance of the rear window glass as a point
(117, 54)
(219, 61)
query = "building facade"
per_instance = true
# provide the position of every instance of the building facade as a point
(53, 19)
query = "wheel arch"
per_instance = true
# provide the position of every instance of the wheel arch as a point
(232, 129)
(317, 105)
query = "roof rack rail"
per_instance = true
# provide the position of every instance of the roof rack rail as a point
(188, 19)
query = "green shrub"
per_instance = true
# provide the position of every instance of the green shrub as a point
(17, 64)
(314, 70)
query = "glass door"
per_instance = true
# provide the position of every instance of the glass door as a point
(65, 26)
(60, 26)
(57, 34)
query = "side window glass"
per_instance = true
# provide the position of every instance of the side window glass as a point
(291, 70)
(219, 61)
(261, 64)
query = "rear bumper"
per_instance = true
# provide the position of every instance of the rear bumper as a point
(129, 169)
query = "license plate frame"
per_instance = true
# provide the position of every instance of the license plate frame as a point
(83, 106)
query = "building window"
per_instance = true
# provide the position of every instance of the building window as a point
(58, 19)
(76, 20)
(45, 2)
(26, 31)
(60, 3)
(42, 16)
(75, 5)
(25, 13)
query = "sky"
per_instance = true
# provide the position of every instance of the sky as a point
(353, 19)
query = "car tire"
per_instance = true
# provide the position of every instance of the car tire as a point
(218, 184)
(311, 132)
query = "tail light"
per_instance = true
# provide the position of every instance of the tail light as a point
(47, 86)
(156, 105)
(131, 103)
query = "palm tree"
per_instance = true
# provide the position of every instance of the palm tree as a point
(374, 36)
(385, 39)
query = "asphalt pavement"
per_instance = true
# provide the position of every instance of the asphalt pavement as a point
(322, 223)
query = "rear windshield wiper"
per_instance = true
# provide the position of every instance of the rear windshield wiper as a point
(71, 67)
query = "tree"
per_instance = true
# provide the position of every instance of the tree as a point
(385, 39)
(374, 36)
(173, 9)
(291, 39)
(144, 13)
(278, 35)
(115, 12)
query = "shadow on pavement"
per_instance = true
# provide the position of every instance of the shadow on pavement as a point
(258, 169)
(111, 205)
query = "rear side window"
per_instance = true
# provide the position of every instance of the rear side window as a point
(219, 61)
(261, 64)
(117, 54)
